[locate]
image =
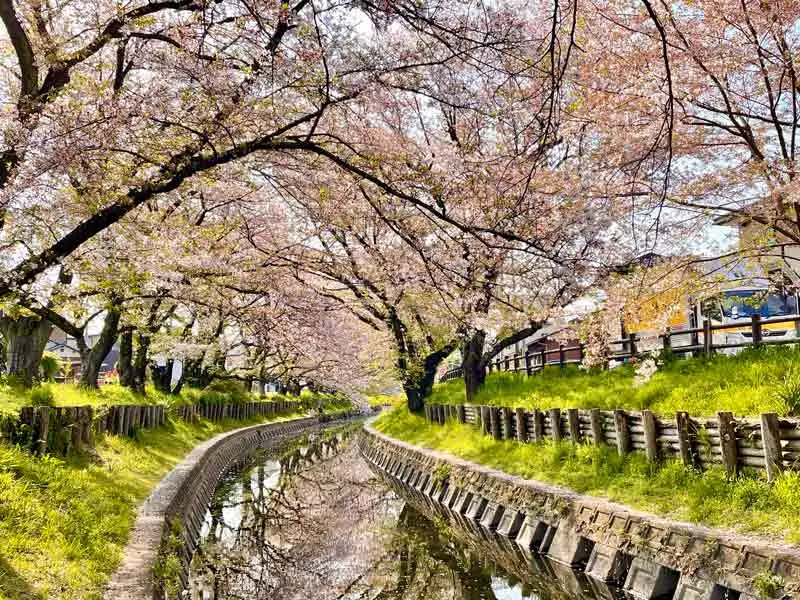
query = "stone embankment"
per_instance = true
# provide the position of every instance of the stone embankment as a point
(649, 557)
(182, 497)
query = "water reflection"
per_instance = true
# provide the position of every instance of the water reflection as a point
(311, 521)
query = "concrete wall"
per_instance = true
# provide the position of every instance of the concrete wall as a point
(648, 556)
(183, 496)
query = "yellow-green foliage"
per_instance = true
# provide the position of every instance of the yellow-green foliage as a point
(380, 400)
(13, 397)
(752, 382)
(64, 523)
(63, 394)
(749, 504)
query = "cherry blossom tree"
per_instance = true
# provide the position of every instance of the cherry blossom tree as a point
(111, 108)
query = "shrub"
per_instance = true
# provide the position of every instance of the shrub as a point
(50, 366)
(42, 396)
(222, 391)
(788, 391)
(768, 585)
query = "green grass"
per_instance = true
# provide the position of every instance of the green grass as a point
(748, 505)
(749, 383)
(13, 397)
(383, 400)
(64, 523)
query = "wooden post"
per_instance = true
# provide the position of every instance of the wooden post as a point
(623, 432)
(115, 420)
(86, 426)
(667, 338)
(771, 439)
(522, 433)
(59, 437)
(708, 339)
(686, 436)
(26, 416)
(527, 363)
(497, 427)
(508, 430)
(487, 424)
(755, 327)
(99, 424)
(75, 418)
(562, 356)
(632, 343)
(574, 425)
(127, 412)
(555, 423)
(597, 426)
(538, 425)
(462, 414)
(727, 438)
(650, 435)
(543, 359)
(41, 431)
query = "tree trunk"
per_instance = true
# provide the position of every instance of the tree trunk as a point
(125, 365)
(140, 364)
(262, 388)
(92, 358)
(473, 364)
(25, 341)
(194, 374)
(162, 376)
(292, 387)
(419, 385)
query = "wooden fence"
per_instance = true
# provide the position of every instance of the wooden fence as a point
(691, 341)
(61, 431)
(769, 443)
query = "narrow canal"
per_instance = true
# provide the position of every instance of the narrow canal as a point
(311, 521)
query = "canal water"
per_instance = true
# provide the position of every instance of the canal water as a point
(310, 521)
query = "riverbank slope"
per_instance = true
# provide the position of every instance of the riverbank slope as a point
(65, 522)
(747, 504)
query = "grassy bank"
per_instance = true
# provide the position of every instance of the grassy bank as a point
(13, 397)
(64, 523)
(748, 504)
(749, 383)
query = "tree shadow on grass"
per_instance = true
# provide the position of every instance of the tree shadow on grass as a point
(13, 586)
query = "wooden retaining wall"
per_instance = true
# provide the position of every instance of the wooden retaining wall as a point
(770, 443)
(61, 431)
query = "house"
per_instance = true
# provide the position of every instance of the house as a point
(547, 342)
(66, 348)
(786, 257)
